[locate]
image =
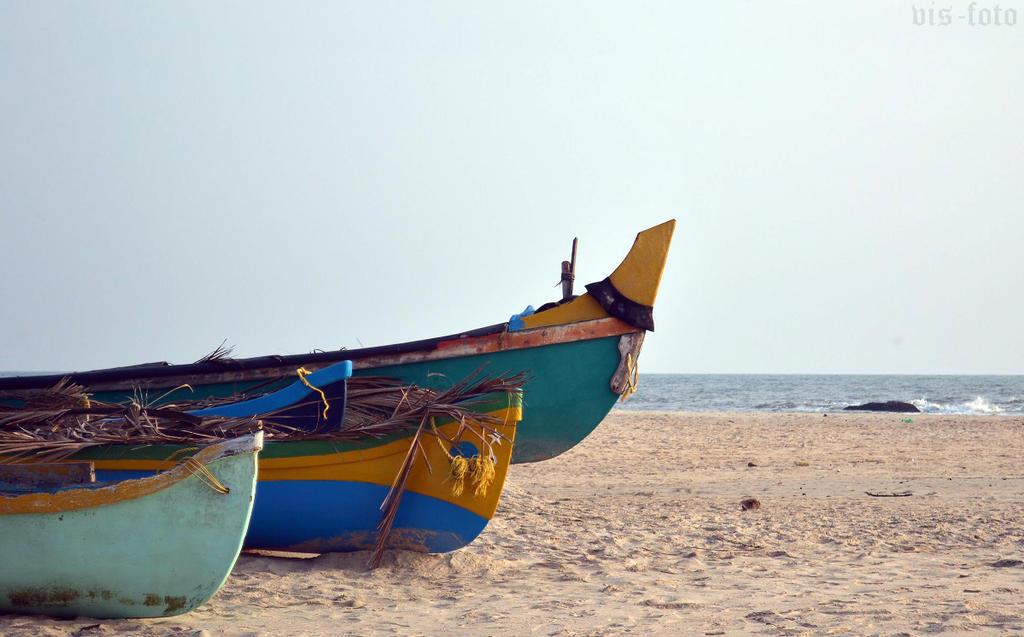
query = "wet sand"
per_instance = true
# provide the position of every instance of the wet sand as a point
(639, 530)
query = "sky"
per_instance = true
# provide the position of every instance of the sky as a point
(287, 177)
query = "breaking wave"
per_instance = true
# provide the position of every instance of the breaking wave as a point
(974, 395)
(979, 406)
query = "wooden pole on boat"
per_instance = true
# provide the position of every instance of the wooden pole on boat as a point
(569, 273)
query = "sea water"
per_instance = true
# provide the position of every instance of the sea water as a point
(822, 393)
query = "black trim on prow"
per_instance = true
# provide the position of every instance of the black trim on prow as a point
(616, 304)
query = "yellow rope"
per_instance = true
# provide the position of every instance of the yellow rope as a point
(303, 372)
(632, 377)
(479, 470)
(459, 469)
(180, 452)
(205, 476)
(482, 474)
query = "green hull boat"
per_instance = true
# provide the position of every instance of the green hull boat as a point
(151, 547)
(580, 354)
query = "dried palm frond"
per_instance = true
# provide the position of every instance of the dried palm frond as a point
(389, 508)
(63, 394)
(57, 432)
(62, 420)
(220, 354)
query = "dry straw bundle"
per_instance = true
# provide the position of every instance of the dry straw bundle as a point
(54, 423)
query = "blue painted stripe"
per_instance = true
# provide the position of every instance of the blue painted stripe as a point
(320, 516)
(323, 516)
(282, 398)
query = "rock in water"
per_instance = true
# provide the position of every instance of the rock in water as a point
(891, 405)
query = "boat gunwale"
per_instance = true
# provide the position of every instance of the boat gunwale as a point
(486, 340)
(77, 498)
(650, 246)
(162, 370)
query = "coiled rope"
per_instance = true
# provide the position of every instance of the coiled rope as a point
(478, 470)
(632, 377)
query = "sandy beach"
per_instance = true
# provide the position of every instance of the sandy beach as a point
(639, 530)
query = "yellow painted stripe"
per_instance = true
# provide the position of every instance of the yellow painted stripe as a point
(582, 308)
(73, 499)
(380, 465)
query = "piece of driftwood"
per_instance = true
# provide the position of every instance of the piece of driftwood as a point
(749, 504)
(902, 494)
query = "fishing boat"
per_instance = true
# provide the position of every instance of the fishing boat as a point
(147, 547)
(580, 352)
(430, 482)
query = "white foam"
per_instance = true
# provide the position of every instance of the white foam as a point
(982, 406)
(977, 406)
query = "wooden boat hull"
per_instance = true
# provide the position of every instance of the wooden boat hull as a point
(581, 356)
(578, 361)
(156, 546)
(591, 361)
(325, 496)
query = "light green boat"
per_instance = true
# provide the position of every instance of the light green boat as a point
(149, 547)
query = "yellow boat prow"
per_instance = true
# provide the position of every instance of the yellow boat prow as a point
(637, 279)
